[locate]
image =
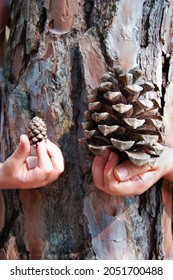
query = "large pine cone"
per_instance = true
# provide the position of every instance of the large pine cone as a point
(37, 131)
(123, 115)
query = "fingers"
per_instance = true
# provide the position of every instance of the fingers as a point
(50, 162)
(140, 183)
(44, 169)
(131, 187)
(44, 161)
(109, 178)
(113, 185)
(98, 168)
(105, 178)
(127, 170)
(56, 157)
(22, 151)
(124, 179)
(40, 169)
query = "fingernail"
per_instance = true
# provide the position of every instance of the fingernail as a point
(32, 162)
(122, 172)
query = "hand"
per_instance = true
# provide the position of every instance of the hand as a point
(14, 172)
(126, 179)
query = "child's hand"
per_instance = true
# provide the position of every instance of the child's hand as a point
(14, 172)
(126, 179)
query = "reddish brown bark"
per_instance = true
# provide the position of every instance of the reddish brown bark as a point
(57, 52)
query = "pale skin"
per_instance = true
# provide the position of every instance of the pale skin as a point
(126, 179)
(15, 173)
(107, 172)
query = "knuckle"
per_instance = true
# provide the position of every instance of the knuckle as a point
(111, 188)
(45, 173)
(48, 170)
(61, 169)
(108, 176)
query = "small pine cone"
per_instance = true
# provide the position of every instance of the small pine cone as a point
(37, 131)
(123, 115)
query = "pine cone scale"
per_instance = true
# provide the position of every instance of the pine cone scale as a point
(37, 131)
(123, 115)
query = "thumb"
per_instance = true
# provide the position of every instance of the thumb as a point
(22, 151)
(126, 170)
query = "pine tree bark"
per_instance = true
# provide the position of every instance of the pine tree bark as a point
(57, 52)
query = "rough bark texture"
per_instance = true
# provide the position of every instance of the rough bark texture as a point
(57, 52)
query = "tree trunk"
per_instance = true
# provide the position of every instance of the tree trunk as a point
(57, 52)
